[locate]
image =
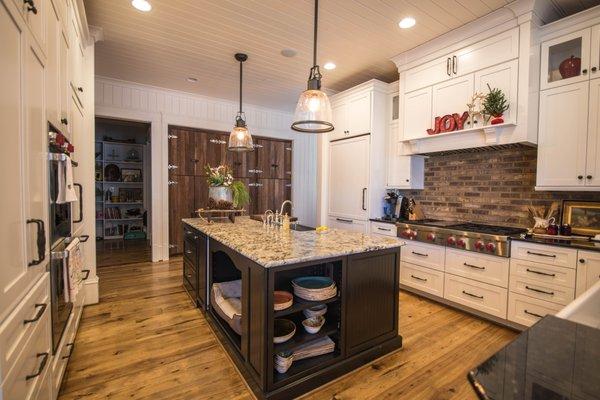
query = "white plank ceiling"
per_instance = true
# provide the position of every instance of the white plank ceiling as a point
(197, 38)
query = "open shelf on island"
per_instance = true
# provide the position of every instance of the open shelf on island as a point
(306, 364)
(301, 304)
(301, 336)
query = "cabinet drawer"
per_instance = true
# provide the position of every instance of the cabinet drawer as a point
(348, 224)
(190, 250)
(543, 291)
(527, 311)
(552, 255)
(23, 381)
(15, 331)
(382, 228)
(481, 267)
(423, 254)
(480, 296)
(189, 273)
(425, 279)
(543, 273)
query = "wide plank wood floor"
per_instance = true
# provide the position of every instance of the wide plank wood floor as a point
(145, 340)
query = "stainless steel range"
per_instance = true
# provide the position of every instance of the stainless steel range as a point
(468, 236)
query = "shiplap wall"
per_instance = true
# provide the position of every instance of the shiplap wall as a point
(164, 107)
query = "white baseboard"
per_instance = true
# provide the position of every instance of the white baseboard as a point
(91, 291)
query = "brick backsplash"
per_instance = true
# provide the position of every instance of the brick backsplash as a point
(493, 187)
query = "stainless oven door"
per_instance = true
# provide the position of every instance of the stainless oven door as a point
(61, 309)
(60, 214)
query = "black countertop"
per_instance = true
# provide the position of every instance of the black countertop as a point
(555, 359)
(574, 244)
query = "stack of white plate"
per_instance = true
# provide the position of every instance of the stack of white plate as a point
(314, 348)
(314, 288)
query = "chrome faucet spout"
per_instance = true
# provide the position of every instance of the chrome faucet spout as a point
(283, 205)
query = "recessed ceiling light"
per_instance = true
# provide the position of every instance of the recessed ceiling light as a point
(407, 22)
(329, 65)
(192, 79)
(142, 5)
(288, 52)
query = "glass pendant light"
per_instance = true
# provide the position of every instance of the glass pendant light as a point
(239, 138)
(313, 111)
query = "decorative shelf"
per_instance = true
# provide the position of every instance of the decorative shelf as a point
(484, 128)
(301, 304)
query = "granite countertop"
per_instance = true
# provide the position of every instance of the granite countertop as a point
(554, 359)
(574, 244)
(271, 247)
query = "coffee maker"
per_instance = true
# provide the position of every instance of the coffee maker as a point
(395, 207)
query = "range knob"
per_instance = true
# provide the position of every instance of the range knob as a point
(491, 247)
(479, 245)
(451, 241)
(413, 234)
(406, 233)
(461, 243)
(431, 236)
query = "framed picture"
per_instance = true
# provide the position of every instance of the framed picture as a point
(583, 216)
(131, 175)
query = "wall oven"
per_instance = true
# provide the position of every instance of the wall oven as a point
(61, 307)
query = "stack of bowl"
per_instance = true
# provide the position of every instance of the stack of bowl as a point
(314, 288)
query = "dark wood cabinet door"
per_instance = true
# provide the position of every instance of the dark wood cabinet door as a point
(181, 205)
(200, 192)
(214, 149)
(238, 161)
(372, 295)
(182, 151)
(276, 159)
(201, 268)
(287, 190)
(262, 149)
(268, 194)
(287, 160)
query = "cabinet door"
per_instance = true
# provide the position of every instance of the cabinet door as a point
(595, 53)
(262, 152)
(64, 81)
(592, 175)
(37, 20)
(237, 160)
(492, 51)
(200, 192)
(15, 275)
(452, 96)
(268, 194)
(588, 271)
(559, 51)
(349, 178)
(181, 205)
(359, 114)
(504, 77)
(371, 284)
(201, 269)
(339, 112)
(276, 159)
(562, 135)
(287, 160)
(213, 149)
(416, 114)
(52, 86)
(428, 74)
(183, 152)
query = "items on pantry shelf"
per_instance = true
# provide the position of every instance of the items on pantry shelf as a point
(313, 324)
(283, 330)
(282, 300)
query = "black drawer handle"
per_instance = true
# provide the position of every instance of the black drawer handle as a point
(417, 278)
(349, 221)
(87, 274)
(84, 238)
(532, 313)
(384, 229)
(539, 291)
(72, 346)
(78, 185)
(80, 89)
(541, 254)
(473, 266)
(41, 367)
(30, 6)
(41, 241)
(472, 295)
(38, 315)
(420, 254)
(540, 273)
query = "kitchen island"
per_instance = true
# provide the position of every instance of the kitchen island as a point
(361, 319)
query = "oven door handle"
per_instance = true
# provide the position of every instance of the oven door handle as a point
(80, 203)
(41, 241)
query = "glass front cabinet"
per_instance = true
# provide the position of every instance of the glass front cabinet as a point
(566, 59)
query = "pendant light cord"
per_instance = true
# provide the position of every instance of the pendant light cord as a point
(315, 33)
(241, 62)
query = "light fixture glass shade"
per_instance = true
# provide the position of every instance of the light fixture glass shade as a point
(313, 112)
(240, 139)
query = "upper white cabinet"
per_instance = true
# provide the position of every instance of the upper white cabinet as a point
(34, 13)
(450, 97)
(351, 115)
(416, 112)
(505, 77)
(569, 127)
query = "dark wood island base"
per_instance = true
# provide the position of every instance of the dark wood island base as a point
(362, 319)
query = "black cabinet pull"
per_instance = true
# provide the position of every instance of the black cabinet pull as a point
(448, 66)
(532, 313)
(76, 221)
(87, 274)
(80, 89)
(454, 65)
(539, 291)
(589, 177)
(72, 346)
(384, 229)
(417, 278)
(42, 308)
(584, 71)
(420, 254)
(579, 177)
(473, 266)
(40, 241)
(44, 357)
(364, 191)
(594, 69)
(64, 121)
(472, 295)
(582, 260)
(344, 220)
(30, 6)
(541, 254)
(274, 165)
(84, 238)
(539, 272)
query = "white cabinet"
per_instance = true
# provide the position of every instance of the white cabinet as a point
(416, 113)
(403, 172)
(421, 278)
(486, 298)
(504, 77)
(588, 270)
(351, 115)
(595, 53)
(348, 224)
(562, 140)
(349, 178)
(34, 13)
(451, 96)
(558, 52)
(428, 74)
(63, 82)
(592, 165)
(383, 229)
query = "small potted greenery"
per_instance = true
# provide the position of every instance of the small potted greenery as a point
(495, 104)
(223, 192)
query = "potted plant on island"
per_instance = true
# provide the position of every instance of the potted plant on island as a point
(224, 193)
(495, 104)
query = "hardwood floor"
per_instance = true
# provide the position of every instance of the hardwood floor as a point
(117, 252)
(146, 341)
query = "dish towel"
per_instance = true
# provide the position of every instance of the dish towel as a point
(72, 270)
(66, 190)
